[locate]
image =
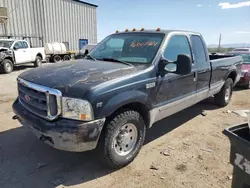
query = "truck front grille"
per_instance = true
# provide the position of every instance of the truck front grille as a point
(40, 100)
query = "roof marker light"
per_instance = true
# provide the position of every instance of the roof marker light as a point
(142, 29)
(126, 30)
(134, 29)
(158, 29)
(117, 31)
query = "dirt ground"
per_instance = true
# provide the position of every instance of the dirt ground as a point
(27, 162)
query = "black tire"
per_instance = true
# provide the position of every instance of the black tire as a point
(107, 146)
(247, 86)
(7, 66)
(57, 59)
(224, 96)
(66, 58)
(38, 61)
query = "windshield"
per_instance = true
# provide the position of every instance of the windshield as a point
(129, 47)
(6, 44)
(245, 57)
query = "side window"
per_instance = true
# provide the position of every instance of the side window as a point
(18, 45)
(24, 44)
(177, 45)
(199, 51)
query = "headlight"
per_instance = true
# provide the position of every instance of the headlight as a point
(77, 109)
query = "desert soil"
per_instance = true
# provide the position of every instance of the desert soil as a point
(198, 152)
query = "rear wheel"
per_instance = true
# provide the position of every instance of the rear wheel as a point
(57, 59)
(224, 96)
(123, 138)
(247, 86)
(66, 58)
(38, 61)
(7, 66)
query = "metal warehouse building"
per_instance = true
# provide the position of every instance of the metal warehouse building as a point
(70, 21)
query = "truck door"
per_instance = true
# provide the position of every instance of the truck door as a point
(176, 92)
(21, 53)
(203, 65)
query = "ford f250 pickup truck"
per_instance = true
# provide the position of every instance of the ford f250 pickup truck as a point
(129, 81)
(17, 52)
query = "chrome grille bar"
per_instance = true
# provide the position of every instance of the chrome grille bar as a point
(48, 92)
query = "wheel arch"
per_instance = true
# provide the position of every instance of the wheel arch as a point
(233, 75)
(133, 100)
(39, 55)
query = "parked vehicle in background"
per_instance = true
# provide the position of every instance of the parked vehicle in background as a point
(129, 81)
(17, 52)
(241, 50)
(245, 69)
(84, 51)
(56, 52)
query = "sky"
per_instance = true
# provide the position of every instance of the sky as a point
(231, 18)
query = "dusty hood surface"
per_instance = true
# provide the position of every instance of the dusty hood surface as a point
(75, 78)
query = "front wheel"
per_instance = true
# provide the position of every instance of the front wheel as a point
(7, 66)
(123, 138)
(224, 96)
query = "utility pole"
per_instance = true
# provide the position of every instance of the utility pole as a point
(219, 43)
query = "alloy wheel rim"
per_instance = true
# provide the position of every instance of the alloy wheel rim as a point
(125, 139)
(227, 93)
(8, 67)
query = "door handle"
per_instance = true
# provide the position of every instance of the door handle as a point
(195, 76)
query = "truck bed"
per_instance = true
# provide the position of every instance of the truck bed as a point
(221, 65)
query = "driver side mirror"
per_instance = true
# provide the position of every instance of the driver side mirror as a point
(15, 48)
(86, 52)
(182, 66)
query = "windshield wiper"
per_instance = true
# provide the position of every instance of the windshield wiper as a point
(116, 60)
(90, 57)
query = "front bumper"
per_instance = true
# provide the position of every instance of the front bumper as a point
(63, 134)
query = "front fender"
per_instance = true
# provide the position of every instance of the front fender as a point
(122, 99)
(6, 54)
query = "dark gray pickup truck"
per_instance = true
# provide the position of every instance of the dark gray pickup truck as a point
(129, 81)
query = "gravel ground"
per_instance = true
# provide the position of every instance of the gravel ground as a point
(197, 151)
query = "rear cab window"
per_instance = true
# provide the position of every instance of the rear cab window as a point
(199, 51)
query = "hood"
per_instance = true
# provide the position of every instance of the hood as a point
(75, 78)
(245, 67)
(3, 48)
